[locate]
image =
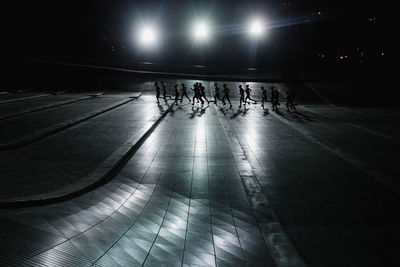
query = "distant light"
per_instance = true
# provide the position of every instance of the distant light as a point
(257, 28)
(201, 31)
(148, 36)
(382, 54)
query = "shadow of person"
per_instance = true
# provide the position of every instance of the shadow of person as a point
(222, 111)
(161, 109)
(237, 113)
(181, 107)
(266, 112)
(281, 114)
(203, 111)
(195, 110)
(300, 119)
(172, 112)
(303, 115)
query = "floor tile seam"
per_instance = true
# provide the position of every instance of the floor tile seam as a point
(44, 107)
(374, 132)
(190, 196)
(234, 224)
(91, 227)
(308, 137)
(153, 190)
(116, 152)
(24, 98)
(58, 127)
(83, 256)
(386, 180)
(246, 153)
(157, 131)
(249, 148)
(354, 125)
(279, 254)
(230, 206)
(162, 222)
(209, 206)
(134, 222)
(105, 218)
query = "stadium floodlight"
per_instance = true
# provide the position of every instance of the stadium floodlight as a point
(201, 31)
(257, 28)
(148, 36)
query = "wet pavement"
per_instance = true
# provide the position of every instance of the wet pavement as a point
(215, 186)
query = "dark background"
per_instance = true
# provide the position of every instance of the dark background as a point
(333, 41)
(104, 29)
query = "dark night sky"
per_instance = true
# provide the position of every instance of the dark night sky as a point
(91, 28)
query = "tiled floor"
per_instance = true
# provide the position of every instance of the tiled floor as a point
(169, 207)
(66, 157)
(183, 199)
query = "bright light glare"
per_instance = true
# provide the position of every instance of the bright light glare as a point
(148, 36)
(201, 31)
(257, 27)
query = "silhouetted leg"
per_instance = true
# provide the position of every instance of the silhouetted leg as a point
(216, 99)
(208, 102)
(230, 104)
(185, 94)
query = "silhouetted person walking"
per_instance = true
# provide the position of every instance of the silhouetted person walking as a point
(176, 91)
(158, 92)
(197, 94)
(194, 89)
(290, 101)
(274, 98)
(264, 96)
(164, 88)
(216, 96)
(184, 92)
(248, 90)
(241, 93)
(226, 95)
(203, 93)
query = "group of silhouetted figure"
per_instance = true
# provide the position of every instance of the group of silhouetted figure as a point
(244, 93)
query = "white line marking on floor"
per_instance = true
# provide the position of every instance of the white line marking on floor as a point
(277, 241)
(377, 175)
(373, 132)
(315, 112)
